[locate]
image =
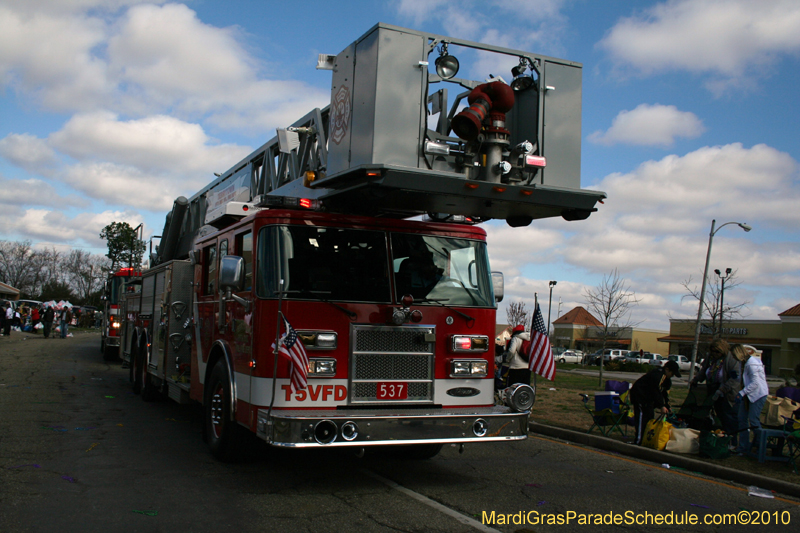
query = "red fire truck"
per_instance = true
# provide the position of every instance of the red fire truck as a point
(312, 239)
(112, 320)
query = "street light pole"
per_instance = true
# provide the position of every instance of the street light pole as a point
(746, 228)
(722, 295)
(549, 305)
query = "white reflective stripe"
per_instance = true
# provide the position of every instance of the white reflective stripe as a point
(333, 392)
(320, 392)
(484, 397)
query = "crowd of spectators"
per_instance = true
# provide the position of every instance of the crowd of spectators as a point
(44, 317)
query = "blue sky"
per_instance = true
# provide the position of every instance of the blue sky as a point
(112, 108)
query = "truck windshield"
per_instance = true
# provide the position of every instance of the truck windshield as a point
(353, 265)
(441, 270)
(324, 263)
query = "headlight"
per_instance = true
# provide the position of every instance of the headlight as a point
(115, 325)
(318, 368)
(470, 343)
(469, 368)
(318, 340)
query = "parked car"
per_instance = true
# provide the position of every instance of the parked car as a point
(610, 354)
(637, 357)
(657, 360)
(683, 362)
(569, 356)
(645, 358)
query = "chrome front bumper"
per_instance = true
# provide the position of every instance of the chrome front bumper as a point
(304, 429)
(113, 342)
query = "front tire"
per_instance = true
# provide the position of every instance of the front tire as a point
(222, 433)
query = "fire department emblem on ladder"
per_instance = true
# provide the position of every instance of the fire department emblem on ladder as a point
(340, 117)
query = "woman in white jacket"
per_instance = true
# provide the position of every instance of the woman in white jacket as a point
(518, 360)
(753, 395)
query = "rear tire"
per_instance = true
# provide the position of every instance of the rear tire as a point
(223, 435)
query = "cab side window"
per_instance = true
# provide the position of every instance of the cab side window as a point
(244, 247)
(209, 269)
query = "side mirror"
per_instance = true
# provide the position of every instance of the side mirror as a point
(193, 257)
(231, 273)
(498, 284)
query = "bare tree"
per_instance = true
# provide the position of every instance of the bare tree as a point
(517, 314)
(715, 309)
(85, 273)
(15, 264)
(611, 303)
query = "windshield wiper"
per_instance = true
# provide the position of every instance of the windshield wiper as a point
(438, 301)
(349, 313)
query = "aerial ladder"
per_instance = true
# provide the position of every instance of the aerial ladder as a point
(392, 143)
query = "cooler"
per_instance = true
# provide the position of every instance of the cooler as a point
(606, 400)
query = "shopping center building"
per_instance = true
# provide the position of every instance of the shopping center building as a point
(779, 340)
(578, 329)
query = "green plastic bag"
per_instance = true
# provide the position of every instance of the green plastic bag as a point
(714, 447)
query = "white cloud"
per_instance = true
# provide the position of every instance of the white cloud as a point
(533, 25)
(650, 125)
(165, 57)
(155, 144)
(27, 151)
(35, 192)
(654, 228)
(57, 227)
(154, 59)
(728, 40)
(124, 185)
(50, 56)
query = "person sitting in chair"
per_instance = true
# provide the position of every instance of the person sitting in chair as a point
(650, 392)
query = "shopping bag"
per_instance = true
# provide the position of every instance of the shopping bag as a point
(684, 440)
(776, 409)
(714, 446)
(656, 433)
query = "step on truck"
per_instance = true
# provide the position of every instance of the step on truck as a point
(333, 288)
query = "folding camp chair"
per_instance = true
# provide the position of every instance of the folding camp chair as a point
(697, 410)
(793, 443)
(606, 420)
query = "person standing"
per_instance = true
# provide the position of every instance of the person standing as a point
(722, 373)
(9, 320)
(752, 397)
(35, 318)
(65, 317)
(651, 392)
(47, 320)
(518, 371)
(7, 316)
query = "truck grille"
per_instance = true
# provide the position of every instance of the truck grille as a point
(391, 354)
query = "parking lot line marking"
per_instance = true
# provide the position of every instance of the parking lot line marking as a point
(433, 504)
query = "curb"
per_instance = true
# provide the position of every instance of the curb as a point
(655, 456)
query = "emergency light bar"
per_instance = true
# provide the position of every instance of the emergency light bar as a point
(289, 202)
